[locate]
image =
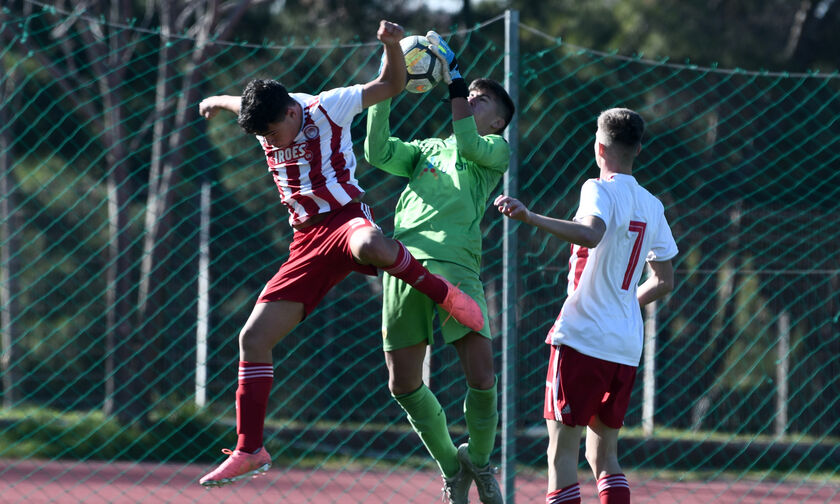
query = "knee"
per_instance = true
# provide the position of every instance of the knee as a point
(593, 458)
(482, 380)
(251, 340)
(600, 461)
(370, 246)
(560, 456)
(403, 385)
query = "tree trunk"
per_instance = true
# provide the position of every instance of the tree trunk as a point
(171, 138)
(126, 393)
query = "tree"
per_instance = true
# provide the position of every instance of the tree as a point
(203, 22)
(777, 35)
(95, 46)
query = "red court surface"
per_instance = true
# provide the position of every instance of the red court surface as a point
(37, 482)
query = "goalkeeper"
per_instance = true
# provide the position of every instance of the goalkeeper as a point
(437, 218)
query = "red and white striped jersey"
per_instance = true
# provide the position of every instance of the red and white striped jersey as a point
(601, 315)
(316, 173)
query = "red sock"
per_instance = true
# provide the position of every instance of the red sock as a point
(255, 379)
(410, 271)
(614, 489)
(566, 495)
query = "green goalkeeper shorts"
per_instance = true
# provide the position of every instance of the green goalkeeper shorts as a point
(408, 314)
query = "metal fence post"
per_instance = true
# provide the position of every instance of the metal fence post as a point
(509, 274)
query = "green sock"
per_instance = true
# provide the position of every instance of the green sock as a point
(426, 416)
(481, 415)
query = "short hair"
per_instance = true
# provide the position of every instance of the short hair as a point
(264, 101)
(502, 96)
(621, 126)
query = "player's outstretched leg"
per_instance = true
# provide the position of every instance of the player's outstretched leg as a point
(239, 465)
(369, 246)
(485, 480)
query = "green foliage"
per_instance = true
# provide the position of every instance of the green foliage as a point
(34, 432)
(742, 161)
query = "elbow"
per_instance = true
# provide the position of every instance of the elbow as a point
(591, 239)
(589, 243)
(395, 87)
(467, 153)
(668, 285)
(374, 154)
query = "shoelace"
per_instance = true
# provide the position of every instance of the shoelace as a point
(450, 315)
(447, 490)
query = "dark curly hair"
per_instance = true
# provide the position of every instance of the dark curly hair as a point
(263, 101)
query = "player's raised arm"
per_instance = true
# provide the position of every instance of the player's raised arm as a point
(391, 80)
(587, 233)
(209, 107)
(479, 110)
(451, 72)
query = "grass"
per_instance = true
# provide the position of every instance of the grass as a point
(42, 433)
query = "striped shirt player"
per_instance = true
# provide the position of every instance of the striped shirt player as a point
(596, 341)
(317, 173)
(309, 151)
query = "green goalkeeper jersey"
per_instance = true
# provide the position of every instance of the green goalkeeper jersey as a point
(439, 213)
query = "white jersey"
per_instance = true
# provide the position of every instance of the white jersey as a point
(601, 315)
(316, 173)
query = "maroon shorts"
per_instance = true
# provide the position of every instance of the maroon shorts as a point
(579, 387)
(319, 258)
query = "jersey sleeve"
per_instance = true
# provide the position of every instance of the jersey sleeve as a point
(663, 246)
(383, 151)
(342, 104)
(594, 201)
(489, 151)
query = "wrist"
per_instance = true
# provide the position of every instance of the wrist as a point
(458, 89)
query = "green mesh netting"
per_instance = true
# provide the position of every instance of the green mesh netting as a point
(133, 231)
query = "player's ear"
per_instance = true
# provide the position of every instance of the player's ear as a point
(602, 149)
(498, 124)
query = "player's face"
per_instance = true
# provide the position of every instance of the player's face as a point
(485, 111)
(282, 133)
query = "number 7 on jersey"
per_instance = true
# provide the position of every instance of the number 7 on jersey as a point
(637, 227)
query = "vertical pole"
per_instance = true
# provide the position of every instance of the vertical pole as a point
(427, 367)
(782, 369)
(649, 378)
(202, 322)
(10, 240)
(509, 273)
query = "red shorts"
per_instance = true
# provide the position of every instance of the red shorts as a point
(578, 387)
(319, 258)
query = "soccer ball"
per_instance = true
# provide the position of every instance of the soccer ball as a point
(423, 67)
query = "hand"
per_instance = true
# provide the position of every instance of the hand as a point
(389, 33)
(447, 56)
(209, 107)
(512, 207)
